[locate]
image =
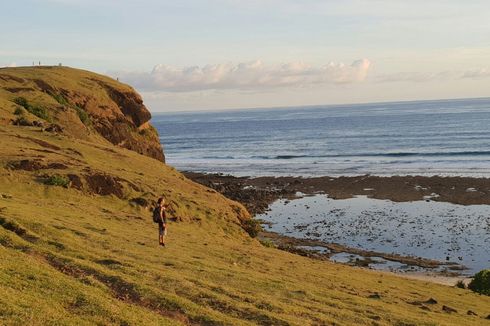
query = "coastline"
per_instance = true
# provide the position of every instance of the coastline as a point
(259, 192)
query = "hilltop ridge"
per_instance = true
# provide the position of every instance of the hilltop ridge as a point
(79, 103)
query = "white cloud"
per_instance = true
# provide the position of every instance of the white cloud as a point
(476, 73)
(8, 65)
(434, 76)
(252, 75)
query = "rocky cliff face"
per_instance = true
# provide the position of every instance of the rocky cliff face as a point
(78, 103)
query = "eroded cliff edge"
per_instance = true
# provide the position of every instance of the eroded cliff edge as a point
(78, 103)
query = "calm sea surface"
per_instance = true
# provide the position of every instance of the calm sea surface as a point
(448, 137)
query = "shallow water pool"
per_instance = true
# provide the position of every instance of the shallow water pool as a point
(433, 230)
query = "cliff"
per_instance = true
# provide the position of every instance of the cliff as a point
(78, 103)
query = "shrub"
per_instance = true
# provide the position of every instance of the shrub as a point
(83, 115)
(60, 99)
(268, 243)
(19, 111)
(21, 101)
(481, 282)
(22, 121)
(252, 227)
(38, 111)
(57, 180)
(460, 284)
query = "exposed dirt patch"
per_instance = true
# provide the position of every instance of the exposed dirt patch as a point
(74, 151)
(41, 143)
(19, 89)
(108, 262)
(104, 184)
(140, 201)
(12, 78)
(34, 165)
(43, 86)
(75, 181)
(18, 230)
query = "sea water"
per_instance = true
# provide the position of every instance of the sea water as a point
(447, 137)
(434, 230)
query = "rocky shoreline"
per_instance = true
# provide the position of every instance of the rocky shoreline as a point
(258, 193)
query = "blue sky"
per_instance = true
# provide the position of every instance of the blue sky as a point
(218, 54)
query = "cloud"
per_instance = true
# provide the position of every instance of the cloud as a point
(476, 73)
(418, 77)
(9, 65)
(252, 75)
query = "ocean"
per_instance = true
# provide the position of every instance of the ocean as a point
(444, 137)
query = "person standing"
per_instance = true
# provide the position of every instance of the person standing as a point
(160, 217)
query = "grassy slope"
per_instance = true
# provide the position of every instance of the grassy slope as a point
(69, 257)
(83, 103)
(59, 77)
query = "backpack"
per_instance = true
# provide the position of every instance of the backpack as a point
(156, 215)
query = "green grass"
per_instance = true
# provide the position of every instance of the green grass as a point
(57, 180)
(83, 115)
(37, 110)
(19, 111)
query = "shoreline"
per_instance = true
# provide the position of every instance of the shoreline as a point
(257, 193)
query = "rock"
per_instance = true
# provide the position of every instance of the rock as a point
(75, 181)
(140, 201)
(22, 121)
(374, 296)
(431, 301)
(448, 309)
(54, 128)
(38, 123)
(104, 184)
(471, 313)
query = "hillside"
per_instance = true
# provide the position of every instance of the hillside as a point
(82, 104)
(78, 246)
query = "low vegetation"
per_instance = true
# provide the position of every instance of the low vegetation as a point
(252, 227)
(82, 114)
(38, 111)
(481, 282)
(19, 111)
(57, 180)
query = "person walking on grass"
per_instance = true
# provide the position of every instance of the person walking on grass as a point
(160, 217)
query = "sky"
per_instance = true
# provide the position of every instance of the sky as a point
(190, 55)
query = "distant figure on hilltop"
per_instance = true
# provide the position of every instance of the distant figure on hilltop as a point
(160, 217)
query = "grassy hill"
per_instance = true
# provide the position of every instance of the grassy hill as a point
(78, 247)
